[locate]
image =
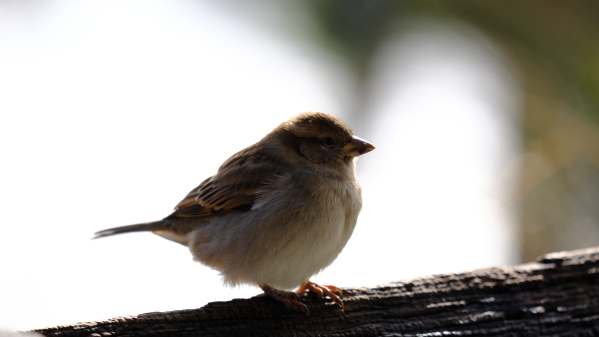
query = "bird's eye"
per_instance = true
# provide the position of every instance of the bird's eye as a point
(328, 141)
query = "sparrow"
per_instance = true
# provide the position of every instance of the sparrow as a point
(276, 212)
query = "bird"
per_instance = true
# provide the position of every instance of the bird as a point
(276, 212)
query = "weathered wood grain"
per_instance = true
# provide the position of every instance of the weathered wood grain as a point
(556, 296)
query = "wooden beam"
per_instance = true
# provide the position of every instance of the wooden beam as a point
(558, 295)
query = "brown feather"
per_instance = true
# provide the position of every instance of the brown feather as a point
(236, 184)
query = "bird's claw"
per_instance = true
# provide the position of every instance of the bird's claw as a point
(322, 291)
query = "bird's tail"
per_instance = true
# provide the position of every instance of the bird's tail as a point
(140, 227)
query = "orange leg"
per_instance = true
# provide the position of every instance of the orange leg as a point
(324, 291)
(288, 298)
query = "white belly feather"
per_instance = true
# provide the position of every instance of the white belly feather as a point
(280, 250)
(314, 248)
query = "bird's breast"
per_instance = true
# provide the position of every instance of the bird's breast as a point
(327, 222)
(291, 233)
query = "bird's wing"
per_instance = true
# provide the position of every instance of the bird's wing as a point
(237, 184)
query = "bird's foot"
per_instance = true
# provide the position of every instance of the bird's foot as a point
(322, 291)
(288, 298)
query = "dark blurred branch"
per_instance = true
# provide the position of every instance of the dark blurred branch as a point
(556, 296)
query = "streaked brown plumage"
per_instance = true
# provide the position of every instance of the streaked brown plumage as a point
(276, 212)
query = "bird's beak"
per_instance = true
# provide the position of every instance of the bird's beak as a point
(357, 147)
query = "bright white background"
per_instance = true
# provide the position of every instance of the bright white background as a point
(111, 111)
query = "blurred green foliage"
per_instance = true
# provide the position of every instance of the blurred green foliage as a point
(558, 37)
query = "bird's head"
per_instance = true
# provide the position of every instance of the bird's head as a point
(322, 139)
